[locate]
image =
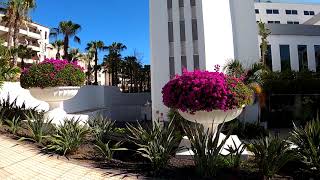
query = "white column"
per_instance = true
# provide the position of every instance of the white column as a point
(294, 57)
(188, 28)
(311, 57)
(176, 36)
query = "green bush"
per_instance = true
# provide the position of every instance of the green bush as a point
(206, 148)
(38, 127)
(101, 127)
(247, 130)
(271, 154)
(52, 73)
(157, 144)
(107, 150)
(14, 124)
(68, 137)
(307, 142)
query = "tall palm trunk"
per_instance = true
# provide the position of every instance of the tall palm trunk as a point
(89, 73)
(96, 68)
(58, 53)
(22, 63)
(66, 47)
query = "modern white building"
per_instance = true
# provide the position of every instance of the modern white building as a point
(294, 42)
(198, 34)
(34, 36)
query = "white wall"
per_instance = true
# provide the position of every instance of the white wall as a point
(282, 16)
(293, 42)
(90, 99)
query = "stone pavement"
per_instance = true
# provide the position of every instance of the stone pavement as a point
(23, 162)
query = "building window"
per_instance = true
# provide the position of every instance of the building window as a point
(272, 11)
(194, 29)
(268, 57)
(169, 4)
(309, 13)
(294, 12)
(181, 3)
(184, 65)
(46, 35)
(285, 57)
(193, 2)
(317, 57)
(293, 22)
(196, 62)
(171, 67)
(170, 29)
(257, 11)
(182, 31)
(273, 22)
(303, 57)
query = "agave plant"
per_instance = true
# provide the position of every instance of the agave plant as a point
(14, 124)
(307, 142)
(206, 147)
(38, 127)
(100, 126)
(107, 150)
(235, 153)
(157, 144)
(271, 154)
(68, 137)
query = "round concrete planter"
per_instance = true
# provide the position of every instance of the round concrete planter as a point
(54, 97)
(211, 120)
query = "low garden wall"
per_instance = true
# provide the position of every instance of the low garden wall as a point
(109, 101)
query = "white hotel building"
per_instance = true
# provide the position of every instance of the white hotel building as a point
(198, 34)
(35, 36)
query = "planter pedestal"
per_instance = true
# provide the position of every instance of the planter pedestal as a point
(54, 97)
(211, 120)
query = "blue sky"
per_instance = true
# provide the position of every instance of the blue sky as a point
(123, 21)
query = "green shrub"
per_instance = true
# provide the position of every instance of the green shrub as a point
(101, 127)
(14, 124)
(206, 148)
(52, 73)
(248, 130)
(38, 127)
(307, 142)
(235, 153)
(10, 109)
(157, 144)
(271, 154)
(68, 137)
(107, 150)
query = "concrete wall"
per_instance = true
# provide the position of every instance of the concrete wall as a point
(106, 100)
(293, 42)
(282, 16)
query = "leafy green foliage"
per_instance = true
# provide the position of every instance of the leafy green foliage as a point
(235, 153)
(38, 127)
(107, 150)
(10, 109)
(307, 142)
(157, 144)
(68, 137)
(206, 148)
(100, 126)
(14, 124)
(271, 154)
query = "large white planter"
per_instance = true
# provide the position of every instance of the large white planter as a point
(211, 120)
(54, 97)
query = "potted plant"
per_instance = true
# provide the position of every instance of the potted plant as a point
(53, 81)
(208, 98)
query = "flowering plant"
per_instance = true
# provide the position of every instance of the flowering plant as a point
(52, 73)
(206, 91)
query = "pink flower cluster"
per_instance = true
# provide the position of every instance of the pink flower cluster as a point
(201, 91)
(61, 64)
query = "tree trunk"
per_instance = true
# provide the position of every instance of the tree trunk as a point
(66, 47)
(22, 63)
(96, 68)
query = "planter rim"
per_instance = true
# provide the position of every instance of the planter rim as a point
(56, 88)
(239, 108)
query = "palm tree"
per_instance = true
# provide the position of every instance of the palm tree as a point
(16, 15)
(264, 33)
(87, 58)
(95, 47)
(114, 59)
(74, 54)
(68, 29)
(58, 44)
(133, 72)
(25, 53)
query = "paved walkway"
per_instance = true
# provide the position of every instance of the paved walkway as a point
(24, 162)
